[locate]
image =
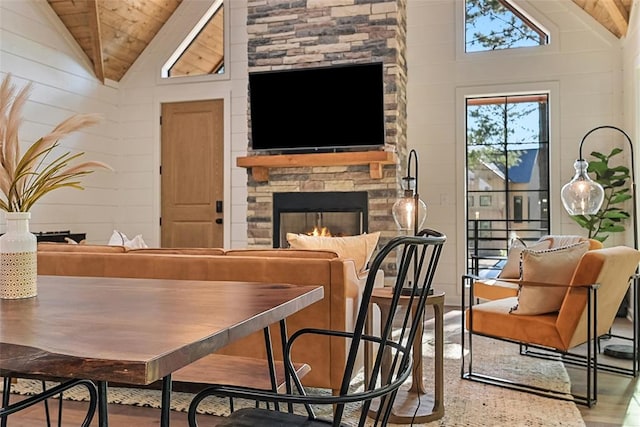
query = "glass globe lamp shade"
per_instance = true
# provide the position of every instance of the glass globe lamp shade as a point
(582, 195)
(404, 213)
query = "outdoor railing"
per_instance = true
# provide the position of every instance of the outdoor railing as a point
(488, 241)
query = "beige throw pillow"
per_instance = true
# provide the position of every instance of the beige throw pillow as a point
(553, 266)
(511, 269)
(358, 248)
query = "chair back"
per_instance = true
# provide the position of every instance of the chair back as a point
(416, 258)
(611, 268)
(560, 240)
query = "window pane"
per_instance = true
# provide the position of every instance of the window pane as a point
(507, 172)
(485, 124)
(496, 24)
(524, 120)
(202, 52)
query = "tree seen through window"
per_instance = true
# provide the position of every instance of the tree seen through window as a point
(497, 24)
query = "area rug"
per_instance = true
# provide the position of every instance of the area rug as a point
(467, 403)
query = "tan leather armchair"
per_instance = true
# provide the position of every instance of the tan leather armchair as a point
(587, 311)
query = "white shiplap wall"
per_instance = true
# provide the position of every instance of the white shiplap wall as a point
(581, 69)
(631, 93)
(35, 46)
(631, 78)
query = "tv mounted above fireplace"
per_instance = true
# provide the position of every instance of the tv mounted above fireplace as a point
(338, 108)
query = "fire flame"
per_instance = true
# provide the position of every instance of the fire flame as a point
(322, 232)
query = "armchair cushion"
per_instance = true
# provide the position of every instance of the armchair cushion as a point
(511, 269)
(547, 266)
(359, 248)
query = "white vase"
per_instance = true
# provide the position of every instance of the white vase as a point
(18, 258)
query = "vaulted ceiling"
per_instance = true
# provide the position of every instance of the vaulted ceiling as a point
(113, 33)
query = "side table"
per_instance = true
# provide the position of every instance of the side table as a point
(429, 404)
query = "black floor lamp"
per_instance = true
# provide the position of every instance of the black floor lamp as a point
(409, 212)
(407, 217)
(583, 196)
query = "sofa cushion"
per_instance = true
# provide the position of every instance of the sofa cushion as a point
(552, 266)
(359, 248)
(65, 247)
(511, 269)
(284, 253)
(178, 251)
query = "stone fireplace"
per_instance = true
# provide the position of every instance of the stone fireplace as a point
(315, 33)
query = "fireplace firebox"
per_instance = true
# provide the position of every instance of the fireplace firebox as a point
(330, 213)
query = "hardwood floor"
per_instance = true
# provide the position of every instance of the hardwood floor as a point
(618, 395)
(119, 416)
(618, 404)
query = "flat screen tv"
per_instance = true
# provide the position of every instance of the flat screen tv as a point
(338, 108)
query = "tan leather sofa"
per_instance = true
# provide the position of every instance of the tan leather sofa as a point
(342, 288)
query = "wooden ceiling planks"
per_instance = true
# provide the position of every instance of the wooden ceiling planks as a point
(124, 28)
(113, 33)
(619, 15)
(612, 14)
(95, 38)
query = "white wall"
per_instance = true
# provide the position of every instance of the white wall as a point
(35, 46)
(631, 89)
(631, 79)
(581, 69)
(141, 94)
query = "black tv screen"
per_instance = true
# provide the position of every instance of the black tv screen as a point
(317, 109)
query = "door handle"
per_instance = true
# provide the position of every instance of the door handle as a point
(218, 220)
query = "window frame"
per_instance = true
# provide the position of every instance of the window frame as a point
(528, 10)
(552, 88)
(202, 77)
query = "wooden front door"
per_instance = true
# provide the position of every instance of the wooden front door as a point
(192, 174)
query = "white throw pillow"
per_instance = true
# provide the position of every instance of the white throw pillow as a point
(358, 248)
(120, 239)
(553, 266)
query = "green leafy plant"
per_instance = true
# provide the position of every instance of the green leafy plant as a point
(25, 179)
(610, 217)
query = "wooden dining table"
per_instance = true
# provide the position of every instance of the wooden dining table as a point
(135, 331)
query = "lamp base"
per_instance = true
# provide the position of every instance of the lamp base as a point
(619, 351)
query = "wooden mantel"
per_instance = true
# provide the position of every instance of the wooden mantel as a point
(261, 164)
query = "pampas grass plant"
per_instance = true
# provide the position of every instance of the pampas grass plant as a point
(24, 180)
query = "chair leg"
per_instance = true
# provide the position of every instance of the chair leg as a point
(6, 392)
(47, 415)
(5, 411)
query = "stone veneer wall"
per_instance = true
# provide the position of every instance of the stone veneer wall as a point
(310, 33)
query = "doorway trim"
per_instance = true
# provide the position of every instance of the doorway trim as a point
(194, 94)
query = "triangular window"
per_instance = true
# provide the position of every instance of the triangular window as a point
(498, 24)
(202, 52)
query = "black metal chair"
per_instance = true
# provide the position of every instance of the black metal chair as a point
(416, 258)
(8, 409)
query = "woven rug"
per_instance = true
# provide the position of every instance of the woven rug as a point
(467, 403)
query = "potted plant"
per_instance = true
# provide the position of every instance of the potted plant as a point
(24, 179)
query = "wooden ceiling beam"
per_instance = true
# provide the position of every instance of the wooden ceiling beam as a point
(618, 13)
(96, 38)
